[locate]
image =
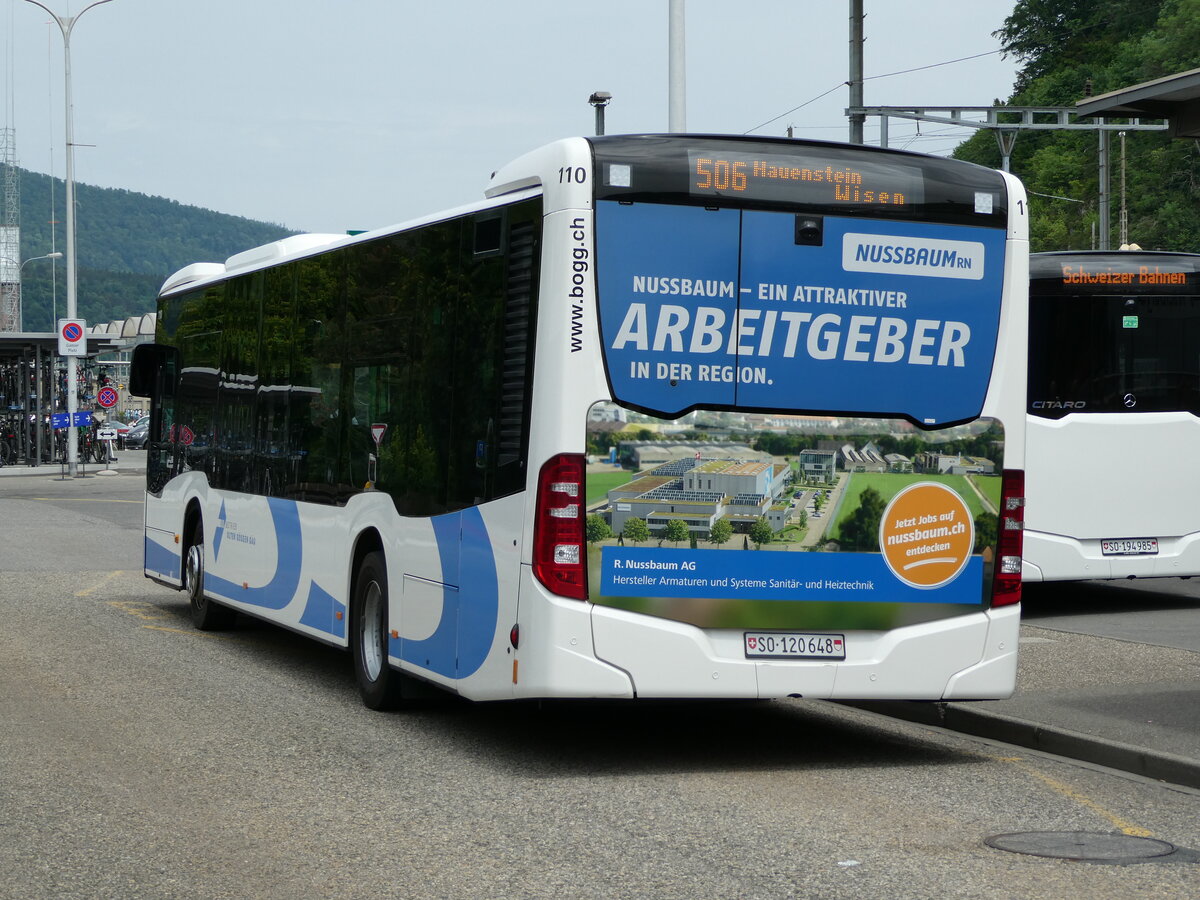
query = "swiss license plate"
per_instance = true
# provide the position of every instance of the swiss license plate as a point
(1129, 546)
(794, 645)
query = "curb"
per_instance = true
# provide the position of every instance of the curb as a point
(59, 474)
(1047, 739)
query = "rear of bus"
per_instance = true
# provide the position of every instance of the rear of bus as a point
(1113, 400)
(778, 415)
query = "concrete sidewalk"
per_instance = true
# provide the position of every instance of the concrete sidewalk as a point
(1127, 705)
(128, 462)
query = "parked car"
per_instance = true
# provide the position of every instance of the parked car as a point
(138, 434)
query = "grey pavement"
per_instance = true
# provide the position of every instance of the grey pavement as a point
(1119, 703)
(1128, 704)
(127, 462)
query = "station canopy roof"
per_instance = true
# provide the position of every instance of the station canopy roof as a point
(16, 344)
(1175, 97)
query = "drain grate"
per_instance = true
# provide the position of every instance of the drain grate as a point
(1085, 846)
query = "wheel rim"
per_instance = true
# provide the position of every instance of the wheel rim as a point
(370, 631)
(194, 571)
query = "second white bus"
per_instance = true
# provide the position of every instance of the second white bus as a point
(1113, 416)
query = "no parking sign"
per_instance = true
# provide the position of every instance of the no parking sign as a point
(107, 397)
(72, 337)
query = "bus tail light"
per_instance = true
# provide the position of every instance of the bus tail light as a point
(559, 544)
(1006, 582)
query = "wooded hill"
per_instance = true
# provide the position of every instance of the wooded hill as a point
(126, 245)
(1068, 50)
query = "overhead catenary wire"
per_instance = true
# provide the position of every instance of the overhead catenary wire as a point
(842, 84)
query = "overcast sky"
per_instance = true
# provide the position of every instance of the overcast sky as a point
(328, 115)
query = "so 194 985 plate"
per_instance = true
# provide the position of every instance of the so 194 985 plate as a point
(1129, 546)
(794, 645)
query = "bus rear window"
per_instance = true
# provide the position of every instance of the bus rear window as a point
(1132, 353)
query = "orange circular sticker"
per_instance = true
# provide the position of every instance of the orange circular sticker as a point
(926, 535)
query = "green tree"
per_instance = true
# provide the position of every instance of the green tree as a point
(860, 530)
(1068, 48)
(635, 530)
(721, 532)
(675, 531)
(597, 529)
(761, 532)
(985, 531)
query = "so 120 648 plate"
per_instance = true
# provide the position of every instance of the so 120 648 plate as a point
(794, 645)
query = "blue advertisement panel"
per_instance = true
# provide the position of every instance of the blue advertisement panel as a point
(773, 310)
(724, 574)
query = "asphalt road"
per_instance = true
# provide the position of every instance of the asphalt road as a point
(1160, 611)
(140, 758)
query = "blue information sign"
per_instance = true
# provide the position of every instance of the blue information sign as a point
(60, 420)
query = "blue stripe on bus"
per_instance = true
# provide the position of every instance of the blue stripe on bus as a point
(281, 589)
(478, 593)
(464, 635)
(463, 638)
(161, 560)
(322, 612)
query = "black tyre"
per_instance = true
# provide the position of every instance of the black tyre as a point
(379, 684)
(207, 615)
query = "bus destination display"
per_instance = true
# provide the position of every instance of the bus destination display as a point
(789, 179)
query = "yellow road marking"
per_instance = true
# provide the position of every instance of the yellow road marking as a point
(95, 587)
(136, 608)
(1122, 824)
(139, 609)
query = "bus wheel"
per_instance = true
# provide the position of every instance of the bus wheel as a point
(378, 683)
(207, 615)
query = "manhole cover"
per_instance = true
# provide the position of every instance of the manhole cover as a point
(1081, 845)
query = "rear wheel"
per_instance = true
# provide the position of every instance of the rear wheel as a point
(207, 615)
(378, 683)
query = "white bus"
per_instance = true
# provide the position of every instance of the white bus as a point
(1114, 396)
(402, 442)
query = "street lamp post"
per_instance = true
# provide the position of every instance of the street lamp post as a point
(20, 270)
(65, 25)
(599, 100)
(55, 255)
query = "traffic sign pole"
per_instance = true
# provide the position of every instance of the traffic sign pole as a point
(73, 332)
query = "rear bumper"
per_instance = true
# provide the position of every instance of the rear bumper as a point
(1052, 557)
(575, 649)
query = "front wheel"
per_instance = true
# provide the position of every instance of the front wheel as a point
(207, 615)
(378, 683)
